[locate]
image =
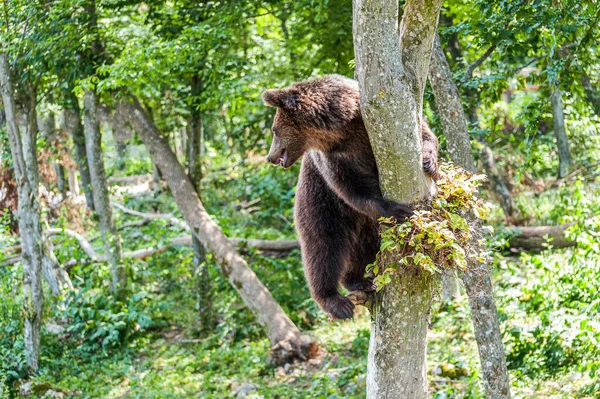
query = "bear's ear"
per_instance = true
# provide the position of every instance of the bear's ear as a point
(281, 98)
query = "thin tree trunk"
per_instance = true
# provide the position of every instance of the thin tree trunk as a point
(110, 236)
(61, 178)
(157, 176)
(476, 278)
(74, 127)
(507, 203)
(72, 179)
(24, 158)
(454, 125)
(478, 283)
(55, 275)
(591, 93)
(204, 291)
(449, 107)
(562, 142)
(286, 339)
(47, 126)
(391, 74)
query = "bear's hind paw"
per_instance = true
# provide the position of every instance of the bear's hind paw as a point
(339, 307)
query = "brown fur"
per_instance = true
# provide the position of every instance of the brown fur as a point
(338, 199)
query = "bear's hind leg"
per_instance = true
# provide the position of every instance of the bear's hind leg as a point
(363, 253)
(326, 240)
(324, 265)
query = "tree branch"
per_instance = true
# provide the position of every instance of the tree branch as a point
(471, 68)
(417, 30)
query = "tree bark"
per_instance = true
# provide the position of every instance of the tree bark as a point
(204, 293)
(562, 142)
(110, 235)
(72, 180)
(287, 340)
(591, 92)
(55, 275)
(391, 74)
(74, 127)
(449, 107)
(23, 150)
(478, 283)
(47, 126)
(454, 124)
(507, 203)
(477, 279)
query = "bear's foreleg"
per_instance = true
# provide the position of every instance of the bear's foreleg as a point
(326, 249)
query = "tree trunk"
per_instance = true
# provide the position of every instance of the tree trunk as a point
(23, 150)
(391, 74)
(47, 126)
(74, 127)
(61, 178)
(562, 142)
(507, 203)
(110, 236)
(591, 93)
(478, 283)
(55, 275)
(476, 278)
(449, 107)
(204, 291)
(72, 179)
(455, 128)
(287, 340)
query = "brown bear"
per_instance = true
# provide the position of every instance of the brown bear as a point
(338, 199)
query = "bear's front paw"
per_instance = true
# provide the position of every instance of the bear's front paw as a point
(400, 212)
(339, 307)
(365, 286)
(430, 167)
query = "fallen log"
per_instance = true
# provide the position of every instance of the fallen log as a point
(263, 245)
(130, 180)
(523, 237)
(535, 237)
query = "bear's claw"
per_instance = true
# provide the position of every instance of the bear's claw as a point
(339, 307)
(366, 286)
(430, 167)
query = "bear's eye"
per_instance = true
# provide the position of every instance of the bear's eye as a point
(274, 130)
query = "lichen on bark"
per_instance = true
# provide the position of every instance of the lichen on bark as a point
(391, 68)
(24, 159)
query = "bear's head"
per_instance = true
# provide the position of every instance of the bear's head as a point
(310, 116)
(288, 141)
